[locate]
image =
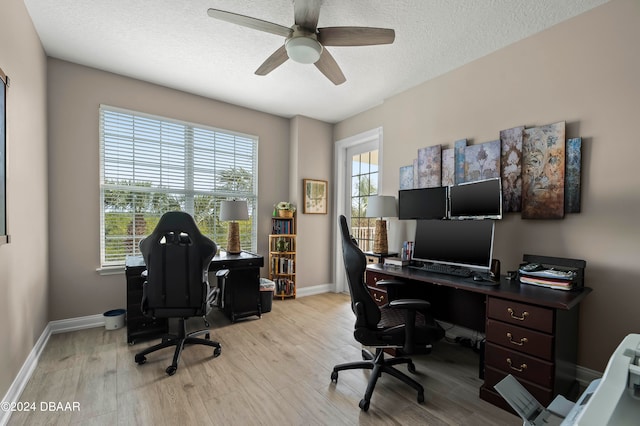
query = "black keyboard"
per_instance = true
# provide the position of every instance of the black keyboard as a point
(445, 269)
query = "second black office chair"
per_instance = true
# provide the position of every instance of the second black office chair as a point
(177, 256)
(405, 324)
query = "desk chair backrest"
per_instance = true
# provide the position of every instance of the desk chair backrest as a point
(177, 256)
(355, 264)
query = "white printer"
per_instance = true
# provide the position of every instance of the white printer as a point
(611, 400)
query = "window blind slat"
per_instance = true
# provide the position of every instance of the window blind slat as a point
(150, 165)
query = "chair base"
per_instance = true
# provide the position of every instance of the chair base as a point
(380, 365)
(179, 341)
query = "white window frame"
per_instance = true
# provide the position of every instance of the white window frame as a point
(193, 155)
(371, 139)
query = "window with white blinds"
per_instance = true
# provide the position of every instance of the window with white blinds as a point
(150, 165)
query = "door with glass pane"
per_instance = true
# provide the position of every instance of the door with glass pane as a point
(364, 171)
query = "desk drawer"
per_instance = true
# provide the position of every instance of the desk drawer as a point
(519, 365)
(543, 394)
(379, 296)
(372, 279)
(520, 339)
(521, 314)
(373, 259)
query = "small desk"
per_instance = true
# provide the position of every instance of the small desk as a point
(241, 295)
(531, 332)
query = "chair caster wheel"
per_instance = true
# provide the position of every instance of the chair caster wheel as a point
(334, 376)
(411, 367)
(207, 336)
(140, 359)
(217, 352)
(171, 370)
(364, 405)
(420, 397)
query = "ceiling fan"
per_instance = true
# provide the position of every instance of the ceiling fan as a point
(305, 42)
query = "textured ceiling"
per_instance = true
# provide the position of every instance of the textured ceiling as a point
(175, 44)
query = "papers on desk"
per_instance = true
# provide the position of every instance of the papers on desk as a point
(535, 274)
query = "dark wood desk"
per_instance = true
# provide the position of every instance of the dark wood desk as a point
(531, 332)
(241, 295)
(139, 326)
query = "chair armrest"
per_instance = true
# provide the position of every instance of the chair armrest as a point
(411, 304)
(222, 273)
(221, 277)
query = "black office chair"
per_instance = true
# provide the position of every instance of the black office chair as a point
(405, 324)
(177, 257)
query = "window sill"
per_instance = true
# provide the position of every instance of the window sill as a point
(110, 270)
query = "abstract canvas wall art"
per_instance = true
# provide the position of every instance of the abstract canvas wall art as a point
(572, 178)
(406, 177)
(459, 147)
(482, 161)
(543, 171)
(511, 163)
(429, 166)
(448, 167)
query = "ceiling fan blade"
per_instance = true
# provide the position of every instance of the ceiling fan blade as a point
(306, 13)
(246, 21)
(329, 67)
(355, 36)
(276, 59)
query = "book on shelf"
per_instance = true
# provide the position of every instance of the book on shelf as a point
(282, 265)
(395, 261)
(284, 286)
(282, 226)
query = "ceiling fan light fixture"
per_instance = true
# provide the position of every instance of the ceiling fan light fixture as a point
(304, 50)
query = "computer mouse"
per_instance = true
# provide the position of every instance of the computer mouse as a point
(477, 277)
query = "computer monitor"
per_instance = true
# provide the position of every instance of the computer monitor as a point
(464, 243)
(476, 200)
(423, 203)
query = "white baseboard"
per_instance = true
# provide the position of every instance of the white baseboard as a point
(585, 376)
(316, 289)
(73, 324)
(25, 373)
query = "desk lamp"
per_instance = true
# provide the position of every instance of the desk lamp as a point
(381, 206)
(233, 210)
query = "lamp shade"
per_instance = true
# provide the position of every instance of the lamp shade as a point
(382, 206)
(234, 210)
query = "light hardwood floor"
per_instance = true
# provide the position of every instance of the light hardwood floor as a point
(273, 371)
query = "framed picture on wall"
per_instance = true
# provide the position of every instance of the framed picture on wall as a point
(3, 160)
(315, 196)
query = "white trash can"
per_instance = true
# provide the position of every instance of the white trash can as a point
(114, 319)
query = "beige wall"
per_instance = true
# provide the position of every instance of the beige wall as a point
(23, 262)
(75, 93)
(584, 71)
(312, 153)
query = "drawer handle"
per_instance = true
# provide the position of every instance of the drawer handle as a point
(520, 343)
(522, 367)
(379, 300)
(521, 318)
